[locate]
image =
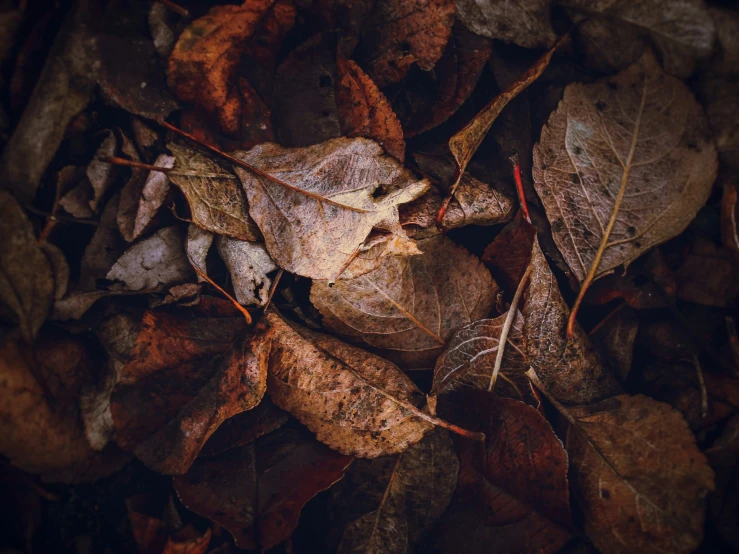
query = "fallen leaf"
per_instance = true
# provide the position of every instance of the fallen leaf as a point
(706, 275)
(509, 254)
(188, 541)
(198, 245)
(525, 24)
(59, 269)
(390, 503)
(726, 56)
(162, 28)
(398, 33)
(719, 96)
(330, 196)
(105, 247)
(99, 175)
(180, 379)
(638, 474)
(723, 503)
(353, 401)
(62, 91)
(248, 264)
(26, 279)
(155, 261)
(41, 430)
(364, 111)
(730, 217)
(257, 491)
(615, 34)
(129, 204)
(513, 493)
(410, 306)
(610, 189)
(469, 359)
(430, 98)
(216, 198)
(615, 337)
(153, 195)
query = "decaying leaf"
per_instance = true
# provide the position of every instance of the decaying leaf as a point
(623, 164)
(179, 379)
(388, 504)
(706, 275)
(155, 261)
(509, 254)
(257, 491)
(330, 196)
(41, 430)
(615, 337)
(523, 23)
(639, 475)
(469, 359)
(217, 200)
(616, 33)
(248, 263)
(514, 494)
(153, 194)
(719, 96)
(198, 245)
(26, 280)
(410, 306)
(354, 402)
(399, 33)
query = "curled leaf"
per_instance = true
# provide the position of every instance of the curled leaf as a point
(248, 263)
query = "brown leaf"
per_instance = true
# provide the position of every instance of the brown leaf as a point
(525, 24)
(615, 337)
(719, 96)
(610, 189)
(469, 359)
(364, 111)
(399, 33)
(410, 306)
(353, 401)
(330, 197)
(730, 218)
(153, 195)
(26, 280)
(188, 541)
(389, 504)
(707, 275)
(638, 474)
(248, 264)
(41, 428)
(155, 261)
(726, 60)
(257, 491)
(180, 379)
(217, 200)
(614, 35)
(430, 98)
(509, 254)
(516, 485)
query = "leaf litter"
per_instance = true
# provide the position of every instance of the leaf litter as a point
(270, 263)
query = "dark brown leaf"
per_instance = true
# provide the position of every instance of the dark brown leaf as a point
(615, 337)
(523, 23)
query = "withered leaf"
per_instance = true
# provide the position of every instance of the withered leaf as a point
(26, 280)
(155, 261)
(707, 274)
(354, 402)
(336, 193)
(153, 195)
(216, 198)
(180, 379)
(615, 34)
(410, 306)
(509, 254)
(469, 359)
(399, 33)
(41, 431)
(719, 96)
(59, 269)
(516, 485)
(248, 264)
(726, 59)
(257, 491)
(388, 504)
(615, 336)
(525, 24)
(198, 245)
(639, 475)
(623, 164)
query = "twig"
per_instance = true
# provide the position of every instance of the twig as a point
(519, 187)
(507, 326)
(175, 8)
(115, 160)
(238, 306)
(701, 384)
(273, 289)
(51, 219)
(63, 218)
(605, 320)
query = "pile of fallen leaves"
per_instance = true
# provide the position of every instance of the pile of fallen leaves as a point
(377, 276)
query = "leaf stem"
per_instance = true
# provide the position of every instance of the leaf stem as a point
(519, 187)
(175, 8)
(236, 304)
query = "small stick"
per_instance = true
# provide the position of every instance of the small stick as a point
(519, 187)
(52, 219)
(115, 160)
(273, 289)
(605, 320)
(238, 306)
(702, 385)
(175, 8)
(507, 326)
(61, 217)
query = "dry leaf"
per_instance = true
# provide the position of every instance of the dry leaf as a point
(257, 491)
(26, 280)
(353, 401)
(707, 275)
(330, 196)
(179, 379)
(726, 59)
(513, 493)
(41, 428)
(217, 200)
(198, 245)
(523, 23)
(153, 195)
(389, 504)
(399, 33)
(248, 263)
(615, 337)
(638, 474)
(469, 359)
(509, 254)
(59, 269)
(155, 261)
(719, 95)
(615, 33)
(730, 218)
(410, 306)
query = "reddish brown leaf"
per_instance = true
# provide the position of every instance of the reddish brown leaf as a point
(509, 254)
(257, 491)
